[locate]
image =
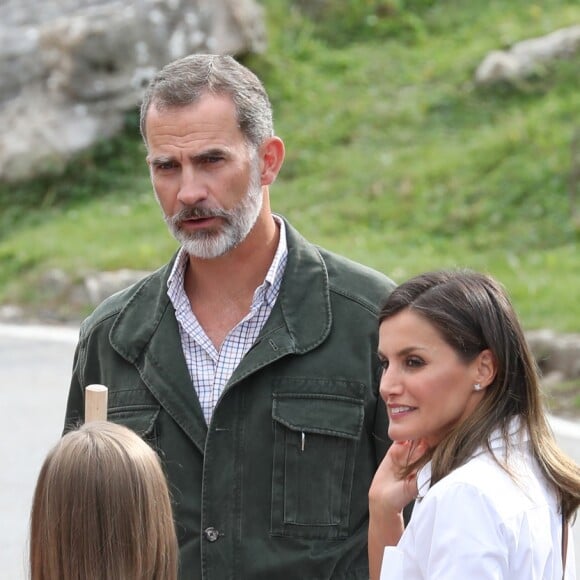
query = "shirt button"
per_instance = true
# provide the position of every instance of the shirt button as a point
(211, 534)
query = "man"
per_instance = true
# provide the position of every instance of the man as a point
(249, 361)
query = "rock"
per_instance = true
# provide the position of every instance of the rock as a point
(524, 58)
(566, 356)
(71, 69)
(556, 353)
(104, 284)
(11, 313)
(552, 380)
(55, 282)
(542, 344)
(497, 66)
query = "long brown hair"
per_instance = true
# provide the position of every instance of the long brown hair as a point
(472, 312)
(101, 510)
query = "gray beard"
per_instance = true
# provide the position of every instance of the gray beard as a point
(238, 222)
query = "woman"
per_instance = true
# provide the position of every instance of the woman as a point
(101, 510)
(494, 494)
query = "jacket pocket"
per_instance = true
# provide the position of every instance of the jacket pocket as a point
(315, 440)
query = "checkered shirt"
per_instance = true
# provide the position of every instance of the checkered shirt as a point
(209, 368)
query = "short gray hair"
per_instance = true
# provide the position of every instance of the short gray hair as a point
(184, 81)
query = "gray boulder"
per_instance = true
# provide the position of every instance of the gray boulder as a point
(526, 57)
(71, 69)
(556, 353)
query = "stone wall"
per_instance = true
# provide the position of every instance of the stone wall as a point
(71, 69)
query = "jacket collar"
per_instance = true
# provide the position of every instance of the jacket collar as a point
(301, 318)
(146, 332)
(304, 296)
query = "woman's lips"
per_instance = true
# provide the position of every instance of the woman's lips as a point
(400, 410)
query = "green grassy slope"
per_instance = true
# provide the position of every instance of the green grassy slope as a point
(394, 157)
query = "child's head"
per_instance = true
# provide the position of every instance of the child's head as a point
(101, 509)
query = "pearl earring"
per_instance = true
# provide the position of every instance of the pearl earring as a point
(477, 387)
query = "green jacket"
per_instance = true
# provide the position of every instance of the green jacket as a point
(276, 486)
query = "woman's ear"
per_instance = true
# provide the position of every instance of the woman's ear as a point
(485, 368)
(272, 156)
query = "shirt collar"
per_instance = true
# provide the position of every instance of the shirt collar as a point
(268, 290)
(178, 269)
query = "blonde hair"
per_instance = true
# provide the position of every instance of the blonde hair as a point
(101, 510)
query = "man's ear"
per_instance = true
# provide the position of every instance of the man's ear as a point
(272, 156)
(485, 368)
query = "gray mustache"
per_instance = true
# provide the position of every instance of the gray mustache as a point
(188, 213)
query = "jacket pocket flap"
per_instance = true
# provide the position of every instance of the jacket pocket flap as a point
(318, 413)
(139, 418)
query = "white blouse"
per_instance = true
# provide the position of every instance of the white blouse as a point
(479, 523)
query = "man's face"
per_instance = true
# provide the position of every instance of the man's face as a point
(205, 176)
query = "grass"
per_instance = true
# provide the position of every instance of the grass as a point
(394, 157)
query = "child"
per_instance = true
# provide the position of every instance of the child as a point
(101, 510)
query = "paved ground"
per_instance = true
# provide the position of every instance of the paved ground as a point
(35, 364)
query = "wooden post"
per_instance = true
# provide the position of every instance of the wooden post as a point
(96, 403)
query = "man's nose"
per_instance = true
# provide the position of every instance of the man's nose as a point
(192, 188)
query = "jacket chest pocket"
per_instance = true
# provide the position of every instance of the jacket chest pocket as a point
(315, 441)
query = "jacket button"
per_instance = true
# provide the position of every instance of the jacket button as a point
(211, 534)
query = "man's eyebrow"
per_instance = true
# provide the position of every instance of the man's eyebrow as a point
(161, 159)
(212, 152)
(201, 156)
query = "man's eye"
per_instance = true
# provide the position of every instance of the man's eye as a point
(165, 166)
(211, 159)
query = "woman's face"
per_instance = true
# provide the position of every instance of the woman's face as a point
(427, 388)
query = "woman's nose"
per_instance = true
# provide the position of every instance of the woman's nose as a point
(390, 383)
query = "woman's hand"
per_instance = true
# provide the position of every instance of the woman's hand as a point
(389, 492)
(388, 495)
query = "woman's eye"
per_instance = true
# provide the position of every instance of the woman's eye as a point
(384, 363)
(414, 362)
